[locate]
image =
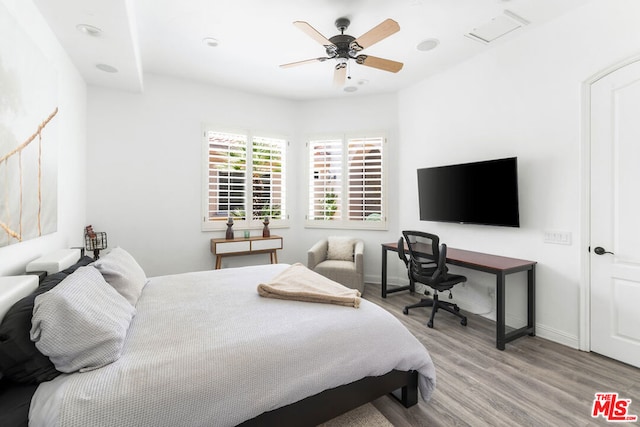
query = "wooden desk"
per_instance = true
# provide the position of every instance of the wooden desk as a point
(494, 264)
(246, 246)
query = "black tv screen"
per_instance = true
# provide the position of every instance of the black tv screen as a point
(474, 193)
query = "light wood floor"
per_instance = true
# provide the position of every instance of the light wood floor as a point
(534, 382)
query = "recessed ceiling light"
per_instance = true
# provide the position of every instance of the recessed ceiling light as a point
(350, 89)
(210, 41)
(107, 68)
(89, 30)
(428, 44)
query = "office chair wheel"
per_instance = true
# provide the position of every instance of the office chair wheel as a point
(463, 322)
(430, 324)
(405, 311)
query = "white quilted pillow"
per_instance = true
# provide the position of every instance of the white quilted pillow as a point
(340, 248)
(81, 324)
(121, 271)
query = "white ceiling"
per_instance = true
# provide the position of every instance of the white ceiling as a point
(255, 36)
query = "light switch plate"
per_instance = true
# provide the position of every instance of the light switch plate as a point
(557, 237)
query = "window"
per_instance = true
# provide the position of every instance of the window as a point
(268, 194)
(245, 179)
(346, 182)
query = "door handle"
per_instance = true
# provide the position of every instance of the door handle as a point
(599, 250)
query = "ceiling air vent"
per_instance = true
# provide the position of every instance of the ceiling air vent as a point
(497, 27)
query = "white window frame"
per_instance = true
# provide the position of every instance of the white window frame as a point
(342, 195)
(249, 222)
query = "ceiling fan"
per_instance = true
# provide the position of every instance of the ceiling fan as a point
(343, 47)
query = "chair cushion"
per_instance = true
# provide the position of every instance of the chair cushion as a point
(340, 248)
(336, 265)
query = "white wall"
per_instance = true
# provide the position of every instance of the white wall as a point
(71, 136)
(145, 154)
(144, 161)
(344, 115)
(520, 99)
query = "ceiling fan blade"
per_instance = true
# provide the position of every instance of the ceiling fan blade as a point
(313, 33)
(377, 33)
(340, 75)
(379, 63)
(306, 61)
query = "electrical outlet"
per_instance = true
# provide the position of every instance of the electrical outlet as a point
(557, 237)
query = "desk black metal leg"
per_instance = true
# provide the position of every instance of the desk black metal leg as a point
(384, 272)
(531, 300)
(500, 311)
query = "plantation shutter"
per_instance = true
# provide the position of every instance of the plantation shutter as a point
(325, 180)
(365, 180)
(227, 176)
(346, 182)
(268, 183)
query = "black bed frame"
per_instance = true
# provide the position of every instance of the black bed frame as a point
(403, 385)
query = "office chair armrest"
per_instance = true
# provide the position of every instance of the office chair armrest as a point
(358, 256)
(317, 253)
(442, 263)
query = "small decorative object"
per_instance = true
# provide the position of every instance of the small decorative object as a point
(247, 234)
(265, 230)
(94, 241)
(229, 235)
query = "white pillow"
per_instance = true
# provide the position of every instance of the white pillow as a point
(121, 271)
(340, 248)
(81, 324)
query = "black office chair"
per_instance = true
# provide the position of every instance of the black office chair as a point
(426, 264)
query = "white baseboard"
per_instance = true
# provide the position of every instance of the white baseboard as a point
(557, 336)
(548, 332)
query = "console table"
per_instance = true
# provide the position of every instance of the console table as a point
(246, 246)
(494, 264)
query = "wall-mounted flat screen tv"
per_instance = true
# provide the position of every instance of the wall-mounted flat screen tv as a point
(483, 192)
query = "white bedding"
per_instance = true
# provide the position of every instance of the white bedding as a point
(205, 349)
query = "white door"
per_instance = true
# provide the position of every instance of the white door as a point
(615, 215)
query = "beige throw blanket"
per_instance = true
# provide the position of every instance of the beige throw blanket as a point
(301, 284)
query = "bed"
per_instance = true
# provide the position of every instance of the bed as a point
(203, 348)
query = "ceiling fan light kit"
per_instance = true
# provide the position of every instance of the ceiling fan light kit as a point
(343, 47)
